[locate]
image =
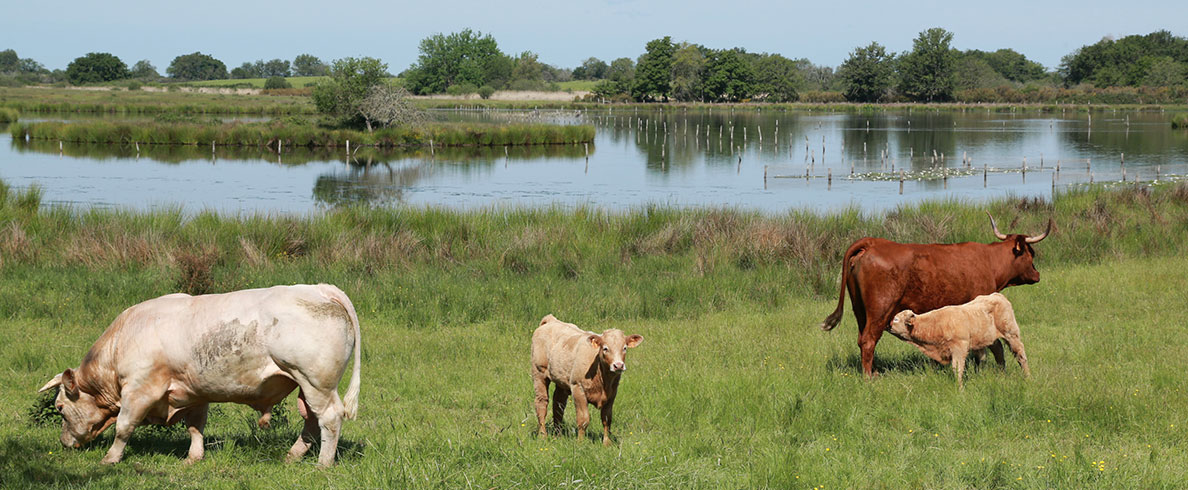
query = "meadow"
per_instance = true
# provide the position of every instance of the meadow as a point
(733, 386)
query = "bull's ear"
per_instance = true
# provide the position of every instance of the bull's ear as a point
(53, 383)
(634, 340)
(1020, 246)
(69, 384)
(595, 340)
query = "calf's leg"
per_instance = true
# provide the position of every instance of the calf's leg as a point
(959, 354)
(1016, 345)
(582, 407)
(195, 422)
(605, 413)
(996, 348)
(541, 386)
(560, 399)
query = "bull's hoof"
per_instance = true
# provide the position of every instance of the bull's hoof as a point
(293, 458)
(109, 460)
(191, 460)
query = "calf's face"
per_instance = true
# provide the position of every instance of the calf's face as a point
(612, 347)
(901, 325)
(82, 418)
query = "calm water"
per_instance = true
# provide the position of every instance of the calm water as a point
(678, 158)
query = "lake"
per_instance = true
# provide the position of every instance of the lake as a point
(744, 158)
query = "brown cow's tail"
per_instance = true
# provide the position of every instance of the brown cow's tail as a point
(834, 318)
(351, 399)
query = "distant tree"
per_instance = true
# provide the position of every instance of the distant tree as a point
(144, 69)
(30, 65)
(308, 65)
(528, 73)
(461, 57)
(975, 72)
(653, 74)
(276, 68)
(1120, 62)
(246, 70)
(277, 82)
(591, 69)
(816, 77)
(1011, 64)
(868, 74)
(621, 70)
(9, 61)
(1164, 71)
(777, 77)
(729, 76)
(688, 70)
(926, 73)
(96, 67)
(196, 66)
(386, 105)
(351, 81)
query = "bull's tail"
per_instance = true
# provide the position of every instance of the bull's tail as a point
(847, 263)
(351, 400)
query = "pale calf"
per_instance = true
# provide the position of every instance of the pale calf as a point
(584, 365)
(949, 334)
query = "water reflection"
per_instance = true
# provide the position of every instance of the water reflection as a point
(756, 159)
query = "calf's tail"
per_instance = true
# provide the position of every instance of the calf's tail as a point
(834, 318)
(351, 400)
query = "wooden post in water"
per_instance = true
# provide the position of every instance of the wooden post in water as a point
(985, 173)
(348, 148)
(901, 182)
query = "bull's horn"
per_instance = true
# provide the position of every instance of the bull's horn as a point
(53, 383)
(994, 225)
(1036, 239)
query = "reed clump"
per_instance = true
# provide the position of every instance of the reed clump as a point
(1180, 121)
(280, 134)
(8, 115)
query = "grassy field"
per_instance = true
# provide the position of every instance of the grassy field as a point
(296, 82)
(733, 386)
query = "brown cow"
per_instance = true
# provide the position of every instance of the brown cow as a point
(885, 277)
(949, 334)
(583, 364)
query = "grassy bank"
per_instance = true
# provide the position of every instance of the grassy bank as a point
(734, 386)
(68, 101)
(1180, 121)
(276, 133)
(8, 115)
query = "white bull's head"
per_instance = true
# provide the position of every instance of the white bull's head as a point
(82, 418)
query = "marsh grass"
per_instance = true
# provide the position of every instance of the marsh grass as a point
(734, 386)
(8, 115)
(1178, 122)
(278, 134)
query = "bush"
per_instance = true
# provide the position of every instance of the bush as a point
(462, 89)
(277, 82)
(1178, 122)
(133, 85)
(486, 91)
(8, 115)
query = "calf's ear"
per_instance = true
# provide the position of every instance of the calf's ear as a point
(910, 322)
(634, 340)
(595, 340)
(53, 383)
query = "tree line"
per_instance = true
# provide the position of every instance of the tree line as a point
(471, 62)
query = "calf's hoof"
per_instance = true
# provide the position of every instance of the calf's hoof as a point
(606, 442)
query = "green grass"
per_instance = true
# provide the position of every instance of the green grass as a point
(734, 386)
(296, 82)
(578, 85)
(8, 115)
(301, 134)
(1179, 121)
(125, 102)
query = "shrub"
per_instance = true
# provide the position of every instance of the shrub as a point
(462, 89)
(133, 85)
(1178, 122)
(8, 115)
(486, 91)
(277, 82)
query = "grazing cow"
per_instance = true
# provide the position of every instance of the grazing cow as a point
(583, 364)
(948, 334)
(168, 358)
(885, 277)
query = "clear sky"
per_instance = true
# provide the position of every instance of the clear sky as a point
(563, 33)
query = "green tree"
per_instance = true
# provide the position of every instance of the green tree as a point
(9, 61)
(1112, 62)
(461, 57)
(1164, 71)
(729, 76)
(277, 82)
(653, 73)
(144, 69)
(621, 70)
(591, 69)
(927, 72)
(276, 68)
(528, 73)
(688, 69)
(96, 67)
(975, 72)
(308, 65)
(868, 74)
(351, 80)
(196, 66)
(777, 78)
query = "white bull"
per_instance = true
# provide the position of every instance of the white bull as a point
(168, 358)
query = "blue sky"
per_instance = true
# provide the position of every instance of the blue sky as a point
(562, 33)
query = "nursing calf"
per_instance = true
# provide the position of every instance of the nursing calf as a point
(949, 334)
(166, 359)
(584, 365)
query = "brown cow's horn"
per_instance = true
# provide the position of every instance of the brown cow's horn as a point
(1036, 239)
(994, 225)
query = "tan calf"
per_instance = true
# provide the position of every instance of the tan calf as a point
(584, 365)
(949, 334)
